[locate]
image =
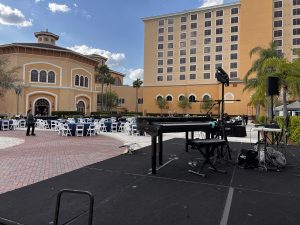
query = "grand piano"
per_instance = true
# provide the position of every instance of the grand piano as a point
(156, 126)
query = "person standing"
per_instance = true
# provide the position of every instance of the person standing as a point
(30, 123)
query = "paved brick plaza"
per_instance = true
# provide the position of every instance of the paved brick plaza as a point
(47, 155)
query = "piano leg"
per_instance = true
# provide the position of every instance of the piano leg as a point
(153, 142)
(160, 149)
(186, 141)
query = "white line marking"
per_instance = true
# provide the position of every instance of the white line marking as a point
(227, 207)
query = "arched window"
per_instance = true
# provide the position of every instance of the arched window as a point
(169, 98)
(51, 77)
(181, 98)
(158, 98)
(86, 82)
(229, 96)
(34, 76)
(140, 101)
(206, 97)
(81, 81)
(77, 80)
(192, 98)
(43, 76)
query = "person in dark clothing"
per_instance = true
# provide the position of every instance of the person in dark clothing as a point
(30, 123)
(246, 119)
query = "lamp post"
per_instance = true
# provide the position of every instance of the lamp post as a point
(18, 90)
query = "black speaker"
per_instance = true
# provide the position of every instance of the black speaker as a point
(272, 86)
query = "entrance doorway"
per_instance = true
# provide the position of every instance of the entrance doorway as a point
(81, 107)
(42, 107)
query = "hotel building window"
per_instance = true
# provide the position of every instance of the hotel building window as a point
(182, 60)
(192, 76)
(206, 67)
(160, 62)
(182, 44)
(233, 56)
(206, 49)
(160, 78)
(160, 54)
(194, 17)
(278, 33)
(169, 69)
(170, 45)
(296, 12)
(207, 32)
(170, 29)
(278, 43)
(183, 27)
(193, 25)
(160, 46)
(81, 81)
(192, 98)
(183, 52)
(278, 23)
(278, 4)
(207, 15)
(296, 21)
(161, 30)
(160, 38)
(182, 69)
(51, 77)
(43, 76)
(207, 41)
(218, 65)
(170, 37)
(86, 82)
(183, 36)
(296, 2)
(206, 76)
(234, 38)
(234, 20)
(193, 51)
(192, 59)
(161, 22)
(219, 13)
(193, 42)
(34, 76)
(170, 62)
(233, 74)
(219, 57)
(278, 14)
(192, 67)
(219, 22)
(279, 53)
(233, 65)
(296, 31)
(183, 19)
(296, 51)
(234, 29)
(218, 48)
(194, 34)
(169, 77)
(182, 77)
(170, 21)
(234, 47)
(219, 31)
(219, 39)
(160, 70)
(234, 11)
(170, 53)
(206, 58)
(296, 41)
(207, 23)
(77, 80)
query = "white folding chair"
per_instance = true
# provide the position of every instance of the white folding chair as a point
(53, 124)
(121, 127)
(22, 123)
(114, 127)
(46, 125)
(79, 130)
(5, 125)
(91, 130)
(134, 130)
(102, 127)
(66, 130)
(14, 124)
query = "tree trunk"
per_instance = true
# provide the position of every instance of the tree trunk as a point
(136, 101)
(257, 111)
(106, 97)
(284, 100)
(102, 97)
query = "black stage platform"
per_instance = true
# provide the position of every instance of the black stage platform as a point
(127, 194)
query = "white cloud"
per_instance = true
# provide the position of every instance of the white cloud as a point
(14, 17)
(75, 5)
(37, 1)
(114, 59)
(135, 74)
(54, 7)
(207, 3)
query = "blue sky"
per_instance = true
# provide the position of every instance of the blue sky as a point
(112, 28)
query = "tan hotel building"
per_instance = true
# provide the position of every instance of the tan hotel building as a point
(53, 78)
(181, 52)
(183, 49)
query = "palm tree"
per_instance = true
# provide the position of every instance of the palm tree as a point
(8, 77)
(161, 103)
(101, 73)
(288, 74)
(137, 84)
(109, 80)
(256, 83)
(184, 103)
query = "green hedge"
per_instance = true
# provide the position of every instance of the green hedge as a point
(293, 129)
(66, 113)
